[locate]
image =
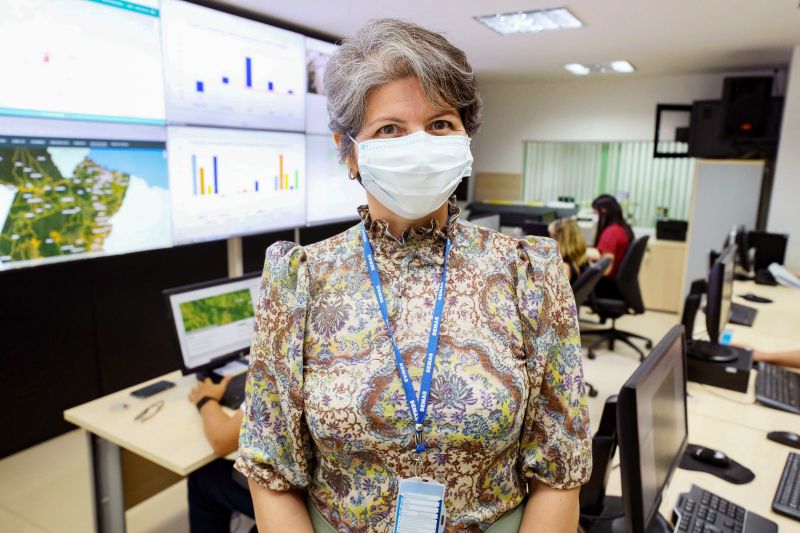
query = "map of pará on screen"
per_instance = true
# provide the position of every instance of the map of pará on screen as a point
(62, 201)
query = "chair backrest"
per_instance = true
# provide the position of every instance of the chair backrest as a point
(627, 278)
(583, 285)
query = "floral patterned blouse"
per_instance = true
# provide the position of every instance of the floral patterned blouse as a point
(325, 408)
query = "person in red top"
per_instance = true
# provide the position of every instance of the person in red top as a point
(613, 237)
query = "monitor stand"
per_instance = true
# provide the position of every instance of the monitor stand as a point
(612, 520)
(710, 352)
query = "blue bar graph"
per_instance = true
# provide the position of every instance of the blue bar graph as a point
(216, 184)
(199, 86)
(248, 71)
(256, 185)
(270, 86)
(225, 80)
(194, 174)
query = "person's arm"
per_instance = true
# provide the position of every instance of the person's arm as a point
(276, 451)
(550, 510)
(790, 358)
(555, 444)
(221, 429)
(279, 512)
(606, 246)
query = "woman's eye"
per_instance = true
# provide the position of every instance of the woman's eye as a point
(389, 129)
(440, 125)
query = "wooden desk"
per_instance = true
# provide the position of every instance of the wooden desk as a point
(172, 439)
(744, 445)
(777, 325)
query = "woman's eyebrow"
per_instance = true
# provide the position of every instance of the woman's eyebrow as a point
(447, 112)
(386, 119)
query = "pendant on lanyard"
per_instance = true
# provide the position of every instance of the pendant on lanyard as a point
(417, 406)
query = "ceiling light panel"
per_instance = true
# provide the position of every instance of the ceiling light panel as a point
(622, 67)
(559, 18)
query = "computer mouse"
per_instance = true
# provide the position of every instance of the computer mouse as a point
(750, 297)
(711, 457)
(785, 437)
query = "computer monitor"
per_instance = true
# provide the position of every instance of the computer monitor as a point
(213, 322)
(738, 236)
(719, 292)
(770, 248)
(652, 431)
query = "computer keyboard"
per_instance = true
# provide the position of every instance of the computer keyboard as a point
(742, 315)
(787, 497)
(234, 394)
(700, 511)
(778, 388)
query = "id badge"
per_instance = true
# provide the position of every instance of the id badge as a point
(420, 506)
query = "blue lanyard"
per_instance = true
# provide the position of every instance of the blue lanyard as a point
(418, 407)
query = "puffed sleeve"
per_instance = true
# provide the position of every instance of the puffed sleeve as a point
(274, 445)
(555, 445)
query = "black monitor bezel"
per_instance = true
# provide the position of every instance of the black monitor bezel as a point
(628, 435)
(217, 361)
(715, 323)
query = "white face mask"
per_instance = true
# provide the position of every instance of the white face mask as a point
(413, 176)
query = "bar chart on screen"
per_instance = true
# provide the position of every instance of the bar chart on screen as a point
(234, 182)
(223, 70)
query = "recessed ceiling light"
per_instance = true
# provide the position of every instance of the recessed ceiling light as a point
(537, 20)
(578, 69)
(623, 67)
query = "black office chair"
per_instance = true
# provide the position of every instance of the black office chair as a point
(582, 288)
(627, 280)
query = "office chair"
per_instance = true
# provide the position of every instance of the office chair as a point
(582, 288)
(627, 280)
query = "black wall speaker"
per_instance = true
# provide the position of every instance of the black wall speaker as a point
(746, 107)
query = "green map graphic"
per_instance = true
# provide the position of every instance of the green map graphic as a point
(217, 310)
(52, 214)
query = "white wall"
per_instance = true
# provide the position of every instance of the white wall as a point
(784, 213)
(608, 108)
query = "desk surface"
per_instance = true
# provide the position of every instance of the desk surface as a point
(744, 445)
(777, 325)
(173, 438)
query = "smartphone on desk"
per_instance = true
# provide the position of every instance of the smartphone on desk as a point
(153, 388)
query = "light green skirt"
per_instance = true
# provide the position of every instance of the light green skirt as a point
(508, 523)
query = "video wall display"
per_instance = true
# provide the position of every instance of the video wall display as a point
(82, 59)
(335, 197)
(224, 70)
(317, 55)
(235, 182)
(70, 190)
(145, 124)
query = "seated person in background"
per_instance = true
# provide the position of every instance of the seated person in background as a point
(213, 493)
(613, 237)
(569, 237)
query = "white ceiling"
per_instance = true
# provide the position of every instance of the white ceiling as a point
(657, 36)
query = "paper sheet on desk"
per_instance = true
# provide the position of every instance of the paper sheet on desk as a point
(231, 369)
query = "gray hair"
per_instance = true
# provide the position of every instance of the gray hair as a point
(389, 49)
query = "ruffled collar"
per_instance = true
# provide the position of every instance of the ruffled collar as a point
(378, 230)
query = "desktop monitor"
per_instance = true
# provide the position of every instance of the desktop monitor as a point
(719, 292)
(213, 322)
(652, 431)
(770, 248)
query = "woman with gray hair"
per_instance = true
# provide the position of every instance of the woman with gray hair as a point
(415, 370)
